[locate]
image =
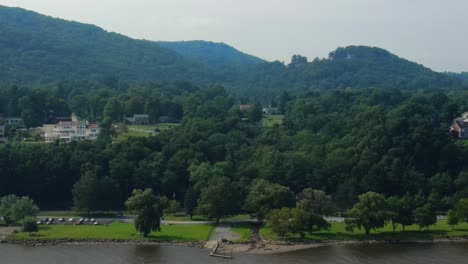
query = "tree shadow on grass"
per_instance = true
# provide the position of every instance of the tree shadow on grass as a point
(380, 236)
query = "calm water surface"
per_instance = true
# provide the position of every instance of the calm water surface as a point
(427, 253)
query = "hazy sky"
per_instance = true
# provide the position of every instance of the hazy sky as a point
(430, 32)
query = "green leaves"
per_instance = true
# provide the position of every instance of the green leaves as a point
(14, 209)
(148, 208)
(265, 196)
(371, 212)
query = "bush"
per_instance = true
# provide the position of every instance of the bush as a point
(29, 225)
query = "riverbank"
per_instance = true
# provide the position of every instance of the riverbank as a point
(198, 235)
(59, 242)
(428, 253)
(260, 248)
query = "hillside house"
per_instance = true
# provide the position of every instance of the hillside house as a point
(459, 128)
(66, 132)
(140, 119)
(245, 107)
(2, 135)
(270, 111)
(13, 121)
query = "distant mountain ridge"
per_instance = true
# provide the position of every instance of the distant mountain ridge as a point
(34, 47)
(38, 49)
(211, 53)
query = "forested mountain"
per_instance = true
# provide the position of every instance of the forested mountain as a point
(211, 53)
(462, 76)
(39, 49)
(353, 66)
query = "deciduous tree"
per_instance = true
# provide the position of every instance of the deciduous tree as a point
(148, 208)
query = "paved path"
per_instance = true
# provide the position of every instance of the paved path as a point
(223, 231)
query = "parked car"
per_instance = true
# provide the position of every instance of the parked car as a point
(60, 219)
(92, 220)
(39, 222)
(86, 219)
(70, 220)
(96, 223)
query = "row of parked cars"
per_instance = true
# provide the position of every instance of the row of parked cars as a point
(51, 220)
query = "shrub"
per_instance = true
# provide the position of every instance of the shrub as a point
(29, 225)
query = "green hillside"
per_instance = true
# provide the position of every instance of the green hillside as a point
(41, 49)
(211, 53)
(35, 48)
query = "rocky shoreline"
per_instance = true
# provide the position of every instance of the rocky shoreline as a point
(263, 247)
(277, 247)
(57, 242)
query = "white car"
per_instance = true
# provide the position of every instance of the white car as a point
(92, 220)
(96, 223)
(70, 220)
(60, 219)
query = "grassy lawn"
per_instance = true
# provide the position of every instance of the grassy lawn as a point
(272, 120)
(243, 230)
(120, 231)
(145, 130)
(338, 232)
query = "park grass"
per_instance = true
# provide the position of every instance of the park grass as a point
(118, 231)
(337, 232)
(236, 217)
(271, 120)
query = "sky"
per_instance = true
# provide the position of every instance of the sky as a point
(430, 32)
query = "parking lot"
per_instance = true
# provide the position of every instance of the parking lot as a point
(73, 221)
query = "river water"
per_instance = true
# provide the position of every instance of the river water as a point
(424, 253)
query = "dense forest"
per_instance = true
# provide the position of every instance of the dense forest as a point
(37, 49)
(345, 142)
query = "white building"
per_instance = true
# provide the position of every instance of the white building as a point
(270, 111)
(14, 121)
(66, 132)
